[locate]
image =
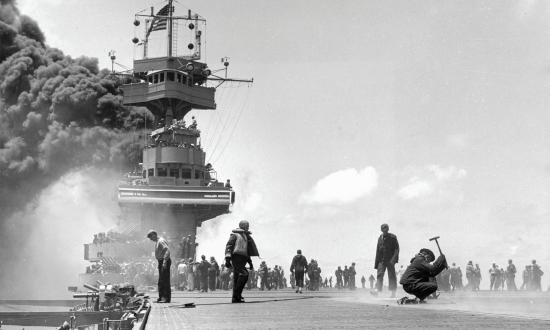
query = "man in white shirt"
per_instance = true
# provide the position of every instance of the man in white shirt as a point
(162, 254)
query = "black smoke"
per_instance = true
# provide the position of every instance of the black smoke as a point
(57, 114)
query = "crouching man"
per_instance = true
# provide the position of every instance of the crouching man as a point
(418, 278)
(238, 251)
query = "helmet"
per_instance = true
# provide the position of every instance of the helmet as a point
(428, 253)
(243, 224)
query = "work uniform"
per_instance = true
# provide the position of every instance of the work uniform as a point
(162, 254)
(203, 271)
(213, 273)
(299, 267)
(387, 255)
(240, 247)
(418, 278)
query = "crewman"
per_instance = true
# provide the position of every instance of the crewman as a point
(536, 276)
(263, 275)
(511, 276)
(418, 278)
(162, 254)
(346, 276)
(470, 275)
(493, 274)
(193, 123)
(371, 281)
(213, 273)
(338, 273)
(363, 280)
(203, 273)
(298, 268)
(387, 255)
(238, 252)
(351, 274)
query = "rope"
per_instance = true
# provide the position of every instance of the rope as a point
(232, 131)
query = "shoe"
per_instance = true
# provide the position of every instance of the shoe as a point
(297, 290)
(159, 299)
(237, 300)
(163, 301)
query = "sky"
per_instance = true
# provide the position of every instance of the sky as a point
(430, 116)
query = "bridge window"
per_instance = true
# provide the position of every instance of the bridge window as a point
(186, 173)
(161, 77)
(170, 76)
(175, 172)
(199, 175)
(161, 171)
(144, 174)
(155, 79)
(151, 172)
(179, 77)
(150, 79)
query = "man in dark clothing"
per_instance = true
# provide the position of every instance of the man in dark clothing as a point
(263, 272)
(371, 281)
(339, 273)
(387, 255)
(213, 273)
(298, 268)
(418, 278)
(203, 271)
(162, 254)
(240, 247)
(346, 276)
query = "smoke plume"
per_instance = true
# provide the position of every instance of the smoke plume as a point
(57, 114)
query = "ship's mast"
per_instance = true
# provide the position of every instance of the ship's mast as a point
(170, 27)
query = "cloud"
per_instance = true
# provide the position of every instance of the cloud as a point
(415, 188)
(342, 187)
(432, 180)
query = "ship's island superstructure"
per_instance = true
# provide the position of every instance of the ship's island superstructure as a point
(173, 190)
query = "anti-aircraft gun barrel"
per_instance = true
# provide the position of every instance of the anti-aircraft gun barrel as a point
(91, 287)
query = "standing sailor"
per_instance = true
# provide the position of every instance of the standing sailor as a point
(162, 254)
(238, 251)
(298, 268)
(387, 255)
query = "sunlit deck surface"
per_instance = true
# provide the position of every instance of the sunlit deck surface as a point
(332, 309)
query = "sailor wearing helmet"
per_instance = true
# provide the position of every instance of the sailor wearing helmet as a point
(418, 278)
(238, 251)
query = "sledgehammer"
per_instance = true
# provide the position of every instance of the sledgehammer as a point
(436, 242)
(435, 238)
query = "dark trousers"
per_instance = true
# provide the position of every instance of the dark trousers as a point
(165, 291)
(240, 275)
(204, 282)
(212, 281)
(392, 279)
(299, 279)
(421, 290)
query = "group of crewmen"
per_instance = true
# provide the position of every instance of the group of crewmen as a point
(345, 278)
(422, 278)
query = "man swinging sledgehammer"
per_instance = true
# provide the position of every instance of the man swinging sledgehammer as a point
(419, 277)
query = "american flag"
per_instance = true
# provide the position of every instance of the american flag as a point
(159, 23)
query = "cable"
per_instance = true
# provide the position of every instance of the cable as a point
(232, 132)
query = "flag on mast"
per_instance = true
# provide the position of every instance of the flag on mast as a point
(160, 23)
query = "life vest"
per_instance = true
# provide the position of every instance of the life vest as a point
(241, 245)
